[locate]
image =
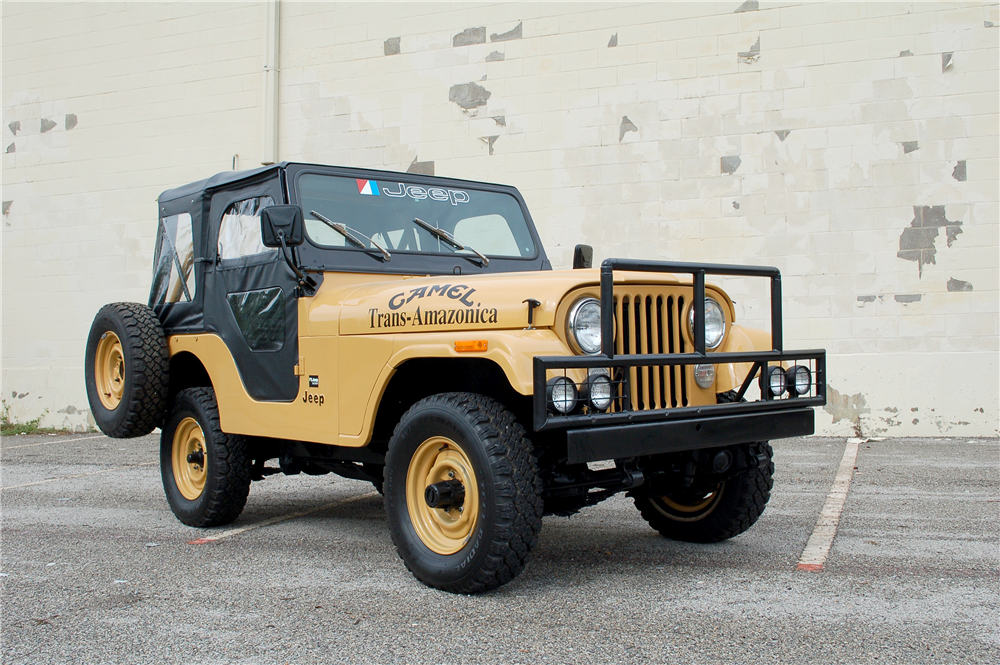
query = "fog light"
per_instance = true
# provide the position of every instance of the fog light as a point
(561, 394)
(799, 380)
(776, 381)
(597, 390)
(704, 375)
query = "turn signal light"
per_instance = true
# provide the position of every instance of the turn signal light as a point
(472, 346)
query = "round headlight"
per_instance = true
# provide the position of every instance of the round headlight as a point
(799, 379)
(583, 326)
(715, 323)
(598, 388)
(561, 394)
(776, 381)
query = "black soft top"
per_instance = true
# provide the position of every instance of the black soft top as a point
(218, 180)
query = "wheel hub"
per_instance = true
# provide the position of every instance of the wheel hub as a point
(445, 495)
(109, 370)
(188, 457)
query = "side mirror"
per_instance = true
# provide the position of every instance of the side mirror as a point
(583, 257)
(278, 222)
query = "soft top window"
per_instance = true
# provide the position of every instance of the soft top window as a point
(490, 222)
(173, 268)
(239, 232)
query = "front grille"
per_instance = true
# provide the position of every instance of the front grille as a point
(649, 321)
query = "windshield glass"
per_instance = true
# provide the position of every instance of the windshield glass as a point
(489, 222)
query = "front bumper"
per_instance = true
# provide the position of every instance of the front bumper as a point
(594, 444)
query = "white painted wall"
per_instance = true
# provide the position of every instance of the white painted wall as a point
(823, 119)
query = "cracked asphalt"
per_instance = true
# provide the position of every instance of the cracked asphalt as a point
(94, 568)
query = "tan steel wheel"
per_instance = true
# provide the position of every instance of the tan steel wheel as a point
(109, 370)
(443, 531)
(691, 507)
(189, 444)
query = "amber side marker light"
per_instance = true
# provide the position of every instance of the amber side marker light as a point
(471, 346)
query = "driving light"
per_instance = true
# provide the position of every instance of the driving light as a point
(561, 394)
(799, 380)
(597, 390)
(715, 323)
(776, 381)
(583, 326)
(704, 375)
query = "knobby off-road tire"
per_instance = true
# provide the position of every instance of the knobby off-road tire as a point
(720, 513)
(485, 541)
(205, 472)
(127, 369)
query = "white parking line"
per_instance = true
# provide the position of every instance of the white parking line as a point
(76, 475)
(818, 548)
(274, 520)
(49, 443)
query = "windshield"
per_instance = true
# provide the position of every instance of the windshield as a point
(490, 223)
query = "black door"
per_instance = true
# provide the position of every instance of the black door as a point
(250, 293)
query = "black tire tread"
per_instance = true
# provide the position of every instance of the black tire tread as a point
(519, 493)
(753, 490)
(228, 488)
(146, 345)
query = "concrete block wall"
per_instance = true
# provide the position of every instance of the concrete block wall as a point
(852, 145)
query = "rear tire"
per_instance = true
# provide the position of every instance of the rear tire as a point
(715, 513)
(484, 540)
(127, 370)
(205, 472)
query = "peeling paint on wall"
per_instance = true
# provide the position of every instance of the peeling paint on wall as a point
(71, 121)
(917, 243)
(496, 56)
(947, 61)
(910, 146)
(866, 298)
(989, 24)
(730, 163)
(423, 168)
(501, 120)
(748, 6)
(48, 125)
(469, 95)
(391, 46)
(959, 172)
(489, 141)
(470, 36)
(626, 127)
(513, 33)
(6, 210)
(613, 42)
(958, 285)
(846, 407)
(15, 127)
(907, 297)
(782, 134)
(736, 206)
(752, 55)
(11, 148)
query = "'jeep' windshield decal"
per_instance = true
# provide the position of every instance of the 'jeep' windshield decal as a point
(418, 193)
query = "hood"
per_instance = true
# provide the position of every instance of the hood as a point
(460, 302)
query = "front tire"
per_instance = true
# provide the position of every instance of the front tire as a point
(205, 472)
(474, 451)
(715, 513)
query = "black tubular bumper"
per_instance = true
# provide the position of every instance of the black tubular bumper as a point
(625, 431)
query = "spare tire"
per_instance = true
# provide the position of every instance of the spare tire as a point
(127, 368)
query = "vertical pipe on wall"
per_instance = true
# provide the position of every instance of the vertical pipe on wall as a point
(269, 116)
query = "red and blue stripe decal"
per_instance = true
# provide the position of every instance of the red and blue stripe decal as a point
(369, 187)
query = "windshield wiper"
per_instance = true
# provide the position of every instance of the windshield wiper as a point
(450, 239)
(349, 234)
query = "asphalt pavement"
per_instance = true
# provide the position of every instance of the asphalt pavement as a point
(94, 568)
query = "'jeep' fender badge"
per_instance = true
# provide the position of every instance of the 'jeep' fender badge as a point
(312, 398)
(313, 381)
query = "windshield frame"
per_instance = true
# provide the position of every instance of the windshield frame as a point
(352, 259)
